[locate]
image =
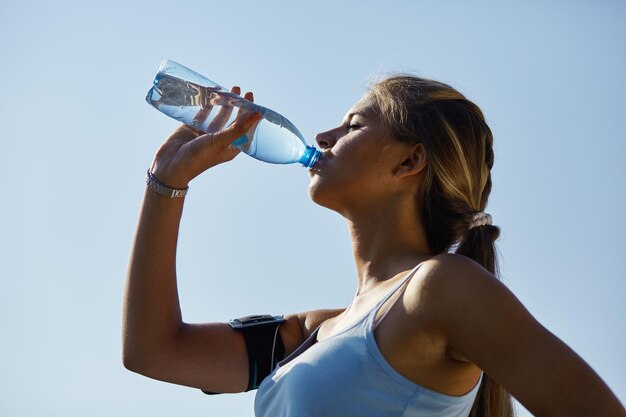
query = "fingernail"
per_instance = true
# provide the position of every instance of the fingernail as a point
(240, 140)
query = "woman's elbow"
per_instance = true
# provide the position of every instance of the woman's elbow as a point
(133, 361)
(136, 358)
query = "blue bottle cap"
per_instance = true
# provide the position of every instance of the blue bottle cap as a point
(310, 156)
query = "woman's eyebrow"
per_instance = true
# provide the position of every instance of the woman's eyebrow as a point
(357, 113)
(349, 116)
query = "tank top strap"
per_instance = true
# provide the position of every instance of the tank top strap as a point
(374, 311)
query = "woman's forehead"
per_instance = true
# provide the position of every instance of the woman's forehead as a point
(365, 107)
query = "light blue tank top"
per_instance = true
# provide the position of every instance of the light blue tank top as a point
(346, 375)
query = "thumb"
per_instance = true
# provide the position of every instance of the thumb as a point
(237, 129)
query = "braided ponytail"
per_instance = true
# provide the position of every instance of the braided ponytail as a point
(456, 184)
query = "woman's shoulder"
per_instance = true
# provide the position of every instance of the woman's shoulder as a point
(450, 279)
(452, 262)
(451, 270)
(449, 295)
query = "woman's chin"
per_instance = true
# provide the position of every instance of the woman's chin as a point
(324, 197)
(314, 190)
(319, 193)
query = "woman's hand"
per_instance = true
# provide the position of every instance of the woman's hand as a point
(187, 152)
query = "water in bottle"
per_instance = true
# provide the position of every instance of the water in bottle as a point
(204, 105)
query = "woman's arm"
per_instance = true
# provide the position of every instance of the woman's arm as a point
(156, 342)
(486, 323)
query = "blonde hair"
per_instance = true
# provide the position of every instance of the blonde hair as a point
(457, 182)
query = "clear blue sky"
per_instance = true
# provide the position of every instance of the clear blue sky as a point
(76, 138)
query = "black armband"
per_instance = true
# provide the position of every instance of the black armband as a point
(264, 346)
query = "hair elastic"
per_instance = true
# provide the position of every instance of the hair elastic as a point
(481, 219)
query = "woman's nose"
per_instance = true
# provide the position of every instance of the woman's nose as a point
(325, 140)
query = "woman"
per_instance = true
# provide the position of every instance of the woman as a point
(430, 332)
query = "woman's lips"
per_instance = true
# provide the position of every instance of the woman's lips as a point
(318, 165)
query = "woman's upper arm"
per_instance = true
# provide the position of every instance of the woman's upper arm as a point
(213, 356)
(210, 356)
(487, 324)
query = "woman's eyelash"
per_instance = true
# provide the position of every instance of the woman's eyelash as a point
(353, 126)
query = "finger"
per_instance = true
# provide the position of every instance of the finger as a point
(230, 153)
(248, 96)
(215, 148)
(201, 117)
(235, 131)
(186, 132)
(241, 126)
(223, 115)
(205, 96)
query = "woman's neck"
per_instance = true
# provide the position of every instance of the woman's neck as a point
(385, 243)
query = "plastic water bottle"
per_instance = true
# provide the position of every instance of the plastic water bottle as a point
(198, 102)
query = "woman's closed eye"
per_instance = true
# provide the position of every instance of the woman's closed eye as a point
(354, 126)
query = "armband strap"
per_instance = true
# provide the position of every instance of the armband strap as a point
(264, 346)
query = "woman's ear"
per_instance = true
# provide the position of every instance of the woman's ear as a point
(415, 161)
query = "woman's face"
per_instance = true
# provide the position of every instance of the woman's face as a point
(358, 161)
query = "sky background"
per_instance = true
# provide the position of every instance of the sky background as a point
(76, 138)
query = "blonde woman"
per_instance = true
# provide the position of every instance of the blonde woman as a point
(430, 332)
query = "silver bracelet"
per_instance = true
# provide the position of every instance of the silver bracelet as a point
(163, 189)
